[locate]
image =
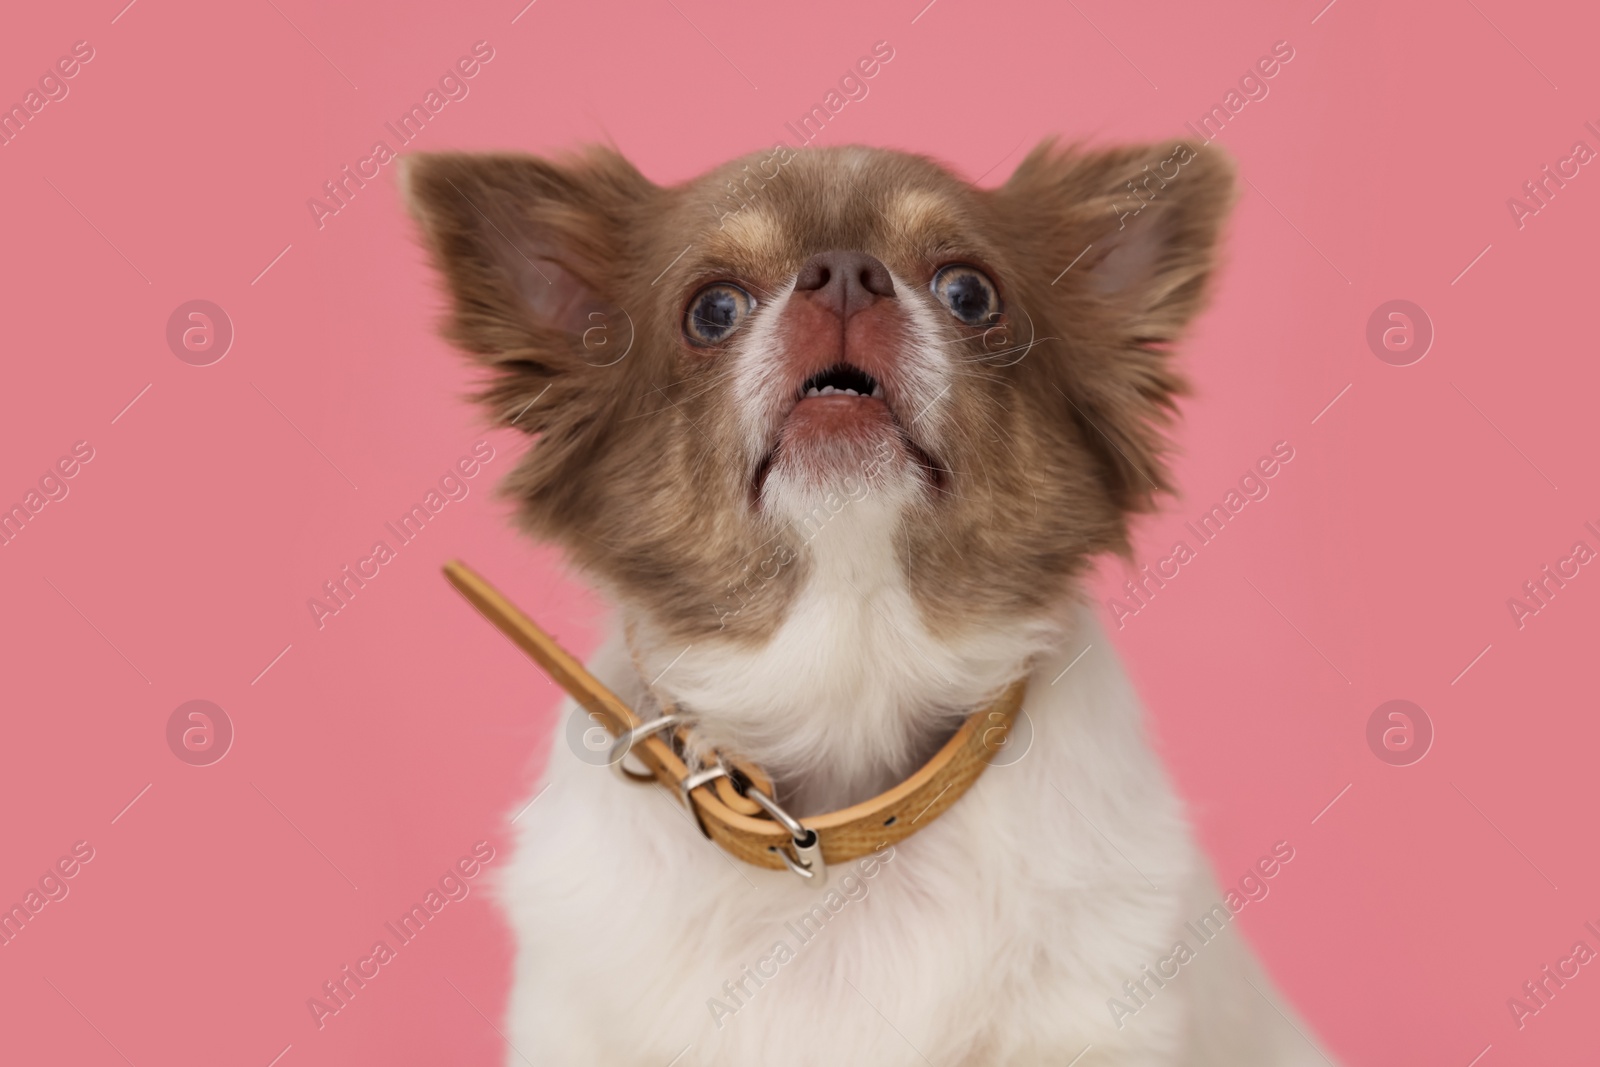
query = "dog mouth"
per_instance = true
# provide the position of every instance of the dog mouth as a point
(841, 404)
(842, 379)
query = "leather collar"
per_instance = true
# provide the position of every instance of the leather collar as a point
(757, 831)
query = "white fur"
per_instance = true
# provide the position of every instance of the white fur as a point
(996, 934)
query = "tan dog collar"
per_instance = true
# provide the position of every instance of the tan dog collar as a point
(735, 803)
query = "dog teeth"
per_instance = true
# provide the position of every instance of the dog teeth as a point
(829, 390)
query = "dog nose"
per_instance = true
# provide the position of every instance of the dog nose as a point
(845, 282)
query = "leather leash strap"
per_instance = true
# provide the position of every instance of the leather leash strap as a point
(735, 823)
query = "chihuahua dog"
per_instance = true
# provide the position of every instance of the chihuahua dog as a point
(839, 434)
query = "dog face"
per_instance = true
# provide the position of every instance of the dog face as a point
(974, 381)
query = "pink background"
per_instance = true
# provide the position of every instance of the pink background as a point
(377, 750)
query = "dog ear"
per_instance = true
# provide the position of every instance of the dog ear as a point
(1129, 237)
(1144, 219)
(532, 254)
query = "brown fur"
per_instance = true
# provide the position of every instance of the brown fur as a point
(638, 471)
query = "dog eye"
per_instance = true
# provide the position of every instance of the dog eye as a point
(968, 293)
(715, 312)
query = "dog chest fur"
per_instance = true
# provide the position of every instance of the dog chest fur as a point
(994, 936)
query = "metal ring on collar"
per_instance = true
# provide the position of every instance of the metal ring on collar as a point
(624, 742)
(807, 859)
(771, 807)
(695, 781)
(813, 866)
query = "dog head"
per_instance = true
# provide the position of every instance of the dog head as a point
(970, 383)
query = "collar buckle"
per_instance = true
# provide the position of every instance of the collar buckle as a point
(807, 860)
